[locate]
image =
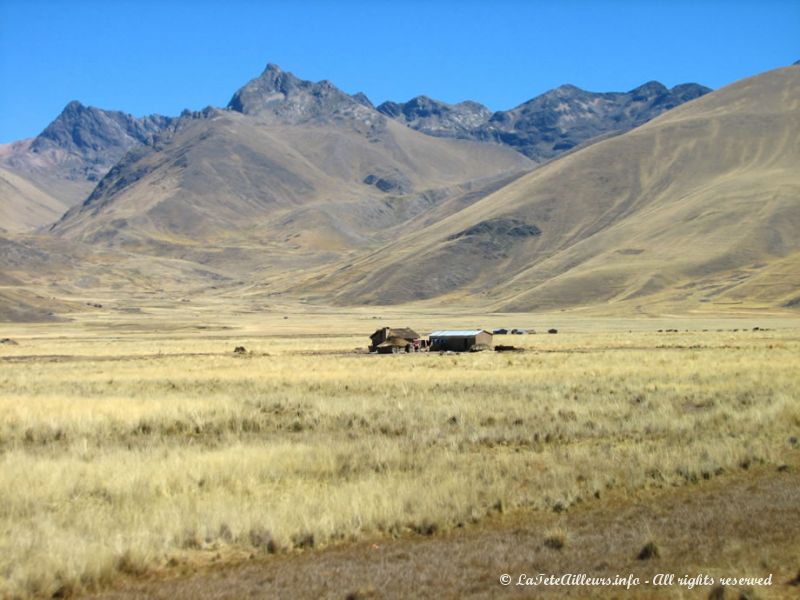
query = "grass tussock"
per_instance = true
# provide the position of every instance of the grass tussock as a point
(123, 463)
(648, 552)
(555, 539)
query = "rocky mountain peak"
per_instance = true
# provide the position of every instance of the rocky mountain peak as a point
(80, 129)
(689, 91)
(545, 125)
(89, 140)
(565, 90)
(274, 79)
(282, 96)
(438, 118)
(73, 106)
(362, 99)
(648, 90)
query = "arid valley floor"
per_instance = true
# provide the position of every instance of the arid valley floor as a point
(142, 457)
(188, 406)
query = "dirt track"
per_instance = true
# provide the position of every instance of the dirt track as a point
(742, 524)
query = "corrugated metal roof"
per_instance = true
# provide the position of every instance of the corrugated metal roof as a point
(455, 332)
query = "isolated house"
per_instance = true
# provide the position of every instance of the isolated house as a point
(459, 340)
(388, 337)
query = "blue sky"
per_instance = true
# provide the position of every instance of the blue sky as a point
(160, 57)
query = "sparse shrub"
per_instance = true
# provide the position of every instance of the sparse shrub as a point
(717, 593)
(649, 551)
(303, 540)
(425, 527)
(190, 539)
(362, 594)
(130, 564)
(225, 533)
(749, 594)
(555, 539)
(262, 539)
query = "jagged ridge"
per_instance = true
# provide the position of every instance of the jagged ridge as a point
(549, 124)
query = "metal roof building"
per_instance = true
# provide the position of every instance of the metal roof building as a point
(459, 340)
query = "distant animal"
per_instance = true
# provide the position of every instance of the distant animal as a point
(240, 350)
(552, 331)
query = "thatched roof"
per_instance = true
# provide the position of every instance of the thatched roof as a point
(394, 341)
(405, 333)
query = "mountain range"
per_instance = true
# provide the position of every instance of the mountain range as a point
(698, 206)
(650, 200)
(43, 177)
(548, 125)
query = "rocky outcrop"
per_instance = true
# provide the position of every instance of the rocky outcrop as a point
(547, 125)
(279, 95)
(439, 118)
(90, 140)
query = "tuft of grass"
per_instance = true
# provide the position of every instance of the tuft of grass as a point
(648, 551)
(717, 593)
(362, 594)
(555, 539)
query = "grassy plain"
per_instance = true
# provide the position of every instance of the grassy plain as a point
(126, 448)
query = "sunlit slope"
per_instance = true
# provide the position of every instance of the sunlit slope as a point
(23, 205)
(698, 208)
(235, 179)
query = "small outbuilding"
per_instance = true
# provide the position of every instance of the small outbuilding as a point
(460, 340)
(392, 340)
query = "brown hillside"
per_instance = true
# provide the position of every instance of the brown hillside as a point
(234, 179)
(698, 207)
(24, 205)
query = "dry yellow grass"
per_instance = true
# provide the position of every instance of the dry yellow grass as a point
(121, 452)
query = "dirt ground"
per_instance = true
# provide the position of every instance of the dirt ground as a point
(711, 528)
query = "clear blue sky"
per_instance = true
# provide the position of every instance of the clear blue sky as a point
(160, 57)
